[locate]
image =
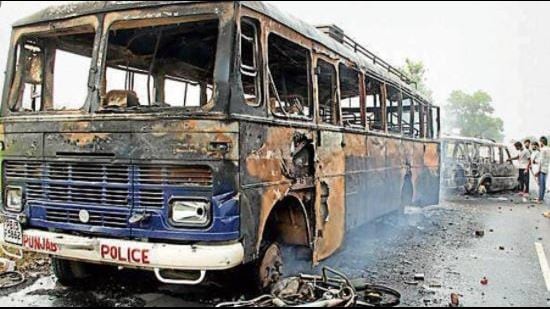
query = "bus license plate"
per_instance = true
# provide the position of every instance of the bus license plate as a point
(13, 233)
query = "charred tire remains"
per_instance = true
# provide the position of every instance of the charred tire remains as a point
(270, 267)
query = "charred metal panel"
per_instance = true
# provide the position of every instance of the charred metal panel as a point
(330, 195)
(184, 140)
(28, 145)
(267, 163)
(429, 178)
(130, 147)
(395, 175)
(356, 180)
(376, 178)
(425, 174)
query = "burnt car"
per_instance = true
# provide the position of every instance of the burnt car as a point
(476, 166)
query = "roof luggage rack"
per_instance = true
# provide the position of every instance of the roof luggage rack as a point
(337, 34)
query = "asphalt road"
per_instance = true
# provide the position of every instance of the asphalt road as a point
(438, 242)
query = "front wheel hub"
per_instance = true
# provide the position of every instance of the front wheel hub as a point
(271, 267)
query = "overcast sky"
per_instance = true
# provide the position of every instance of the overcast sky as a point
(502, 48)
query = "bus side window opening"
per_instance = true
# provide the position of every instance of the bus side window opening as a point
(327, 89)
(250, 62)
(350, 97)
(417, 121)
(407, 121)
(394, 109)
(289, 78)
(373, 109)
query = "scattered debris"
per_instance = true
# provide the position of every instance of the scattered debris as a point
(480, 233)
(323, 291)
(484, 281)
(455, 300)
(6, 265)
(11, 279)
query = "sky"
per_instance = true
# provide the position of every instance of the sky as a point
(499, 47)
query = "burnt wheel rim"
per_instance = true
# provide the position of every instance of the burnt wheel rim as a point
(271, 267)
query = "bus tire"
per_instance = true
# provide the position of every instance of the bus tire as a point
(70, 273)
(485, 187)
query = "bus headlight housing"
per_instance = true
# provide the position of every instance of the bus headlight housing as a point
(190, 213)
(14, 199)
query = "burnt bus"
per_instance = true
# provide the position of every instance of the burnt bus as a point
(192, 137)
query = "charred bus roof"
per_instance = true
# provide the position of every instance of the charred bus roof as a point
(353, 51)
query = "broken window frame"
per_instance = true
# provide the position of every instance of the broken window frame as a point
(485, 152)
(437, 122)
(140, 19)
(499, 155)
(393, 118)
(359, 114)
(431, 122)
(272, 91)
(336, 113)
(407, 123)
(58, 28)
(257, 69)
(378, 123)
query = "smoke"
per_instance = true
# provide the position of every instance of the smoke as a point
(366, 249)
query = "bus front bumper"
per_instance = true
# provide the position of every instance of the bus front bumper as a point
(132, 254)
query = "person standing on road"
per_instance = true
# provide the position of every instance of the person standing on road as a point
(544, 168)
(534, 162)
(523, 159)
(527, 146)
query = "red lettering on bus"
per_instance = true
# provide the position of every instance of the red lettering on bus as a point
(145, 257)
(39, 243)
(125, 255)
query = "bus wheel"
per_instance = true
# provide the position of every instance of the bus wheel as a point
(70, 273)
(270, 267)
(485, 187)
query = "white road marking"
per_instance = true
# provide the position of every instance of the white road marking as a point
(543, 264)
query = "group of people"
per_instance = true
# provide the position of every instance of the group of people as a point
(534, 159)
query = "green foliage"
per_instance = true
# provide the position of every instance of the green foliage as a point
(416, 72)
(472, 116)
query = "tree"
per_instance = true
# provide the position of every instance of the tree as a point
(472, 115)
(416, 72)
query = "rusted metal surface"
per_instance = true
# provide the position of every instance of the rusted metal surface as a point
(465, 166)
(298, 180)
